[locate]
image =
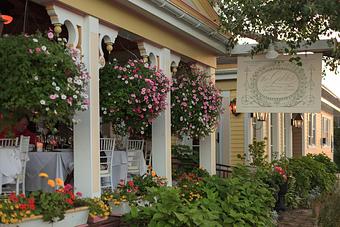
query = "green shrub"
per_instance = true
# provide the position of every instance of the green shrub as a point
(312, 177)
(329, 214)
(168, 209)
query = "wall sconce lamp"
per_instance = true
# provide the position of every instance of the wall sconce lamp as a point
(232, 107)
(259, 116)
(297, 120)
(4, 19)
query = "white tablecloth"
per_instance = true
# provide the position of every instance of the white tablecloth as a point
(10, 165)
(55, 164)
(120, 166)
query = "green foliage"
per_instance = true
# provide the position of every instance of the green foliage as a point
(337, 147)
(187, 158)
(329, 213)
(281, 20)
(311, 177)
(257, 152)
(41, 77)
(168, 209)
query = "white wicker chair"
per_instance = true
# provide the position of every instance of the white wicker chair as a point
(133, 148)
(107, 146)
(9, 142)
(20, 178)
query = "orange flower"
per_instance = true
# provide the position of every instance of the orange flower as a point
(59, 182)
(45, 175)
(51, 183)
(153, 173)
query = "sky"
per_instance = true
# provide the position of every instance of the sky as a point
(332, 82)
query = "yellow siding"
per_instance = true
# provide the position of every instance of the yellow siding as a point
(319, 148)
(236, 124)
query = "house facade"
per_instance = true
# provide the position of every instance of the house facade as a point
(162, 33)
(237, 131)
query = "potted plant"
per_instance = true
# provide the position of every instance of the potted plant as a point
(42, 77)
(132, 96)
(58, 208)
(98, 210)
(280, 179)
(196, 103)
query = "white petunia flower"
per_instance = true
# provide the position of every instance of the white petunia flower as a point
(44, 48)
(126, 82)
(47, 109)
(57, 88)
(42, 102)
(35, 40)
(69, 80)
(63, 96)
(75, 96)
(36, 78)
(54, 84)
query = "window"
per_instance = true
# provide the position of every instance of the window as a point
(336, 122)
(311, 129)
(325, 131)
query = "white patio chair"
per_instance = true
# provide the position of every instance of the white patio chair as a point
(107, 146)
(20, 178)
(133, 149)
(9, 142)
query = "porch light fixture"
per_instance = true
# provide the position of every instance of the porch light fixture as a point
(232, 107)
(271, 52)
(4, 19)
(297, 120)
(260, 116)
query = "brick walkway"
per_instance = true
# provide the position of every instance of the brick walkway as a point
(297, 218)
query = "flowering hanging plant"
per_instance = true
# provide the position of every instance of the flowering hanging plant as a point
(280, 176)
(42, 77)
(132, 96)
(196, 103)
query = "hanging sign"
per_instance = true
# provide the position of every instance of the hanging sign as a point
(279, 86)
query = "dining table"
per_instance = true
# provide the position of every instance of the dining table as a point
(10, 165)
(57, 164)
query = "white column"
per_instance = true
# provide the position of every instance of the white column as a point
(248, 136)
(288, 135)
(208, 144)
(161, 128)
(223, 155)
(276, 135)
(86, 133)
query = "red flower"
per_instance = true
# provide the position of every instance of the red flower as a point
(69, 201)
(131, 184)
(23, 206)
(79, 194)
(13, 198)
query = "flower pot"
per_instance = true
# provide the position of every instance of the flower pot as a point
(96, 219)
(73, 217)
(121, 209)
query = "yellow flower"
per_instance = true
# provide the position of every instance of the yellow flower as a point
(59, 182)
(43, 175)
(153, 173)
(51, 183)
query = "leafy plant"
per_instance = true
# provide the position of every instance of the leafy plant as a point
(257, 152)
(168, 209)
(292, 22)
(97, 207)
(132, 96)
(329, 213)
(41, 77)
(196, 102)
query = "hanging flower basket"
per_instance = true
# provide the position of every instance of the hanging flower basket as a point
(41, 77)
(196, 103)
(132, 96)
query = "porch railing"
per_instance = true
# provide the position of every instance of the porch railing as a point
(223, 170)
